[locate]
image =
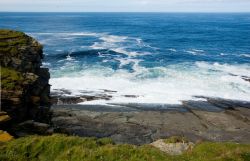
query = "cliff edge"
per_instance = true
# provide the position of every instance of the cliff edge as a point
(25, 89)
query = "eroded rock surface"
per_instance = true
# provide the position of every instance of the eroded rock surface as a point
(24, 84)
(140, 124)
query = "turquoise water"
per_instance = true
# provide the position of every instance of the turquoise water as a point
(159, 57)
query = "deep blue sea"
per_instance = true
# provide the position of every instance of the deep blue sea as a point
(159, 57)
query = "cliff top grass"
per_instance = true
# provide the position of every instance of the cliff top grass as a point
(10, 79)
(62, 148)
(7, 34)
(12, 38)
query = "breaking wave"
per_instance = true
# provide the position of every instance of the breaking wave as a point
(130, 66)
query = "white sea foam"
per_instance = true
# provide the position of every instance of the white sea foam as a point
(191, 52)
(97, 46)
(126, 61)
(171, 49)
(83, 34)
(113, 38)
(128, 53)
(198, 50)
(120, 44)
(139, 41)
(46, 64)
(69, 58)
(226, 68)
(245, 55)
(195, 51)
(173, 85)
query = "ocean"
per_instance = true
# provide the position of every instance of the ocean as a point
(160, 58)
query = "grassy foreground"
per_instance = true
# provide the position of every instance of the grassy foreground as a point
(62, 148)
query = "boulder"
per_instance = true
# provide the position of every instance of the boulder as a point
(173, 148)
(31, 127)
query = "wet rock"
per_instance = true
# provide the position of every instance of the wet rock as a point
(142, 124)
(246, 78)
(200, 105)
(131, 96)
(65, 97)
(109, 91)
(67, 100)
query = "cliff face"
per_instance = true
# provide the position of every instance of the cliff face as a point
(24, 84)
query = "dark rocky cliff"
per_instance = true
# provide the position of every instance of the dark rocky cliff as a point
(24, 83)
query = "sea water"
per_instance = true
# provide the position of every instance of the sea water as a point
(156, 57)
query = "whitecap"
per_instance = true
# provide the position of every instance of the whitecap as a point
(223, 54)
(97, 46)
(69, 58)
(128, 53)
(242, 69)
(198, 50)
(83, 34)
(195, 51)
(245, 55)
(113, 38)
(172, 49)
(191, 52)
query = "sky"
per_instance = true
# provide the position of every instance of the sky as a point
(125, 5)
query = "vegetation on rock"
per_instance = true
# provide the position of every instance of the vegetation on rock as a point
(10, 79)
(61, 147)
(24, 84)
(17, 39)
(19, 51)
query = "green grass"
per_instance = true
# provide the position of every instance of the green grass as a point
(62, 148)
(6, 34)
(10, 79)
(10, 40)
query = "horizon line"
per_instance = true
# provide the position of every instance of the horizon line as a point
(124, 12)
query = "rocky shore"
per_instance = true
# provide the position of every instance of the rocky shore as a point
(212, 120)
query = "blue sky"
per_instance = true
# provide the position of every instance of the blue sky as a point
(125, 5)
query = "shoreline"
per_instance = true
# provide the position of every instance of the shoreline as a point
(139, 125)
(106, 97)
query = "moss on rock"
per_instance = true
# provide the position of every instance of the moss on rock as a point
(10, 40)
(24, 84)
(19, 51)
(11, 79)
